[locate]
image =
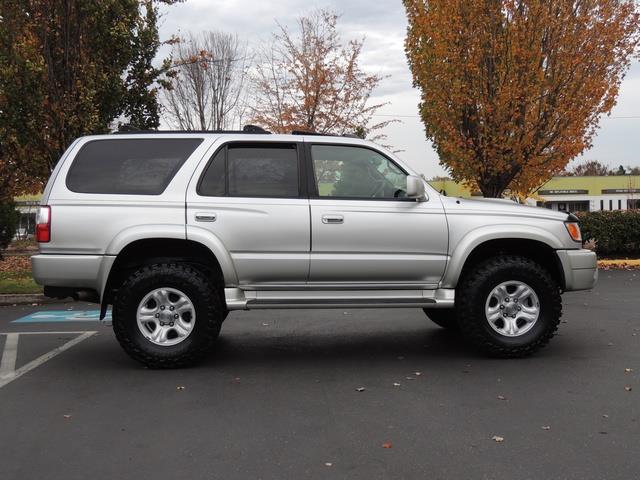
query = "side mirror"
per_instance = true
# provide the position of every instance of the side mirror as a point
(415, 188)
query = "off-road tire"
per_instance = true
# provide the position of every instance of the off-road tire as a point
(472, 293)
(443, 317)
(203, 293)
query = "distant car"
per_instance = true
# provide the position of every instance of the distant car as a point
(177, 229)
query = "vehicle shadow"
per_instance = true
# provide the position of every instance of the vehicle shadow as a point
(350, 347)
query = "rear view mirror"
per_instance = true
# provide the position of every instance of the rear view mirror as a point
(415, 188)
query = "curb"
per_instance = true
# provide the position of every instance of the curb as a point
(24, 299)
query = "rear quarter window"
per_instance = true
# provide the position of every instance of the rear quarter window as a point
(129, 166)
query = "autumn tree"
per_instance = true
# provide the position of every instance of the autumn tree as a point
(588, 168)
(70, 68)
(309, 80)
(512, 90)
(208, 91)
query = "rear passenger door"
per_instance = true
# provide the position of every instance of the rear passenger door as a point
(251, 197)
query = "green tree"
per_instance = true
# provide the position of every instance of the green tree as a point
(70, 68)
(8, 224)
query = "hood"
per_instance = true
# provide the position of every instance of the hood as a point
(499, 206)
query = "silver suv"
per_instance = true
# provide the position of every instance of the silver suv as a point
(176, 229)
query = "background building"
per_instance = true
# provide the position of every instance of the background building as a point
(571, 194)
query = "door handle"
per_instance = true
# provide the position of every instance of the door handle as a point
(332, 219)
(206, 217)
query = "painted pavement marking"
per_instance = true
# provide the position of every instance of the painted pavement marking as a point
(9, 355)
(58, 316)
(10, 374)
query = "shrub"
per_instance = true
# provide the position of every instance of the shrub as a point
(8, 224)
(616, 232)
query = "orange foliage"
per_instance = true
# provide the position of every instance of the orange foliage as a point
(512, 90)
(311, 82)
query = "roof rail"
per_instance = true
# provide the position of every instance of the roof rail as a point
(248, 129)
(306, 132)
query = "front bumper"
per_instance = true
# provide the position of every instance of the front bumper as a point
(580, 269)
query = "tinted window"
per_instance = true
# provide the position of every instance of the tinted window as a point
(212, 183)
(343, 171)
(268, 171)
(129, 166)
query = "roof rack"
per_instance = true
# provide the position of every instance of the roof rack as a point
(247, 129)
(306, 132)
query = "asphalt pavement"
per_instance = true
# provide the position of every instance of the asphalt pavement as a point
(345, 394)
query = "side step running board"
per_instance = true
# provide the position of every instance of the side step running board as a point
(238, 299)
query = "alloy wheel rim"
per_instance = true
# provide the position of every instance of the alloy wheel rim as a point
(512, 308)
(166, 316)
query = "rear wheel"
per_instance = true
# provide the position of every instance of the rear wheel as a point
(167, 315)
(443, 317)
(508, 306)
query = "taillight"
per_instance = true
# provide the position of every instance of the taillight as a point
(43, 224)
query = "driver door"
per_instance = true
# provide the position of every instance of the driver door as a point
(363, 229)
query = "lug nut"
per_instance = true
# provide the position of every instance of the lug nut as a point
(515, 300)
(162, 324)
(501, 307)
(162, 307)
(175, 316)
(172, 308)
(506, 300)
(171, 324)
(157, 315)
(519, 308)
(504, 314)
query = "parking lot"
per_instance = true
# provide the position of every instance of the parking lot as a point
(325, 394)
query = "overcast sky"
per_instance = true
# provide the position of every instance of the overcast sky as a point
(383, 25)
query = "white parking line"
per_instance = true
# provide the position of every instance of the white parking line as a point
(10, 376)
(9, 356)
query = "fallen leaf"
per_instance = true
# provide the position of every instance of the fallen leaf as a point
(546, 427)
(396, 384)
(180, 387)
(360, 389)
(409, 378)
(628, 388)
(328, 464)
(605, 416)
(66, 417)
(628, 370)
(265, 324)
(417, 374)
(236, 380)
(387, 445)
(498, 439)
(501, 397)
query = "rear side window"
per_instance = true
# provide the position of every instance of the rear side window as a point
(269, 170)
(129, 166)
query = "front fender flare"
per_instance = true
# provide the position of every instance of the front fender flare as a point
(480, 235)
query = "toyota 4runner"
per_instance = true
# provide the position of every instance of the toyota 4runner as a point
(176, 229)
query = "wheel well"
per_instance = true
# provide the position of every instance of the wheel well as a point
(535, 250)
(156, 250)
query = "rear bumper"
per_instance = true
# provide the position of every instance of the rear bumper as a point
(580, 269)
(71, 272)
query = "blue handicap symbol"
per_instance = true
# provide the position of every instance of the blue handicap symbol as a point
(54, 316)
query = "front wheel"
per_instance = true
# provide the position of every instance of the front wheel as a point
(508, 306)
(167, 315)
